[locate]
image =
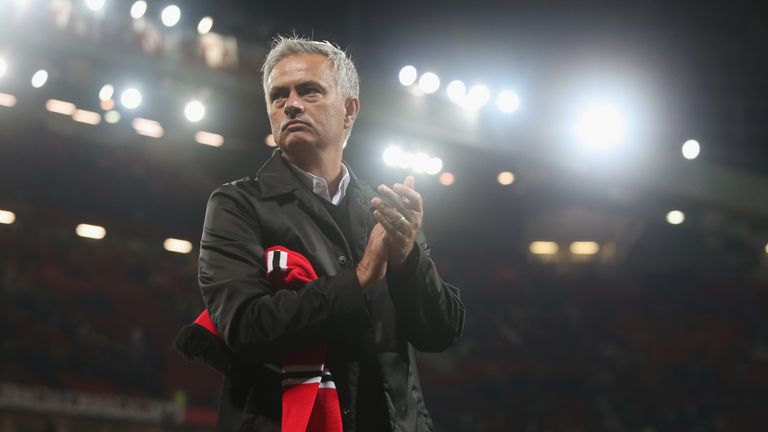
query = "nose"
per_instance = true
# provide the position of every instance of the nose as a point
(293, 105)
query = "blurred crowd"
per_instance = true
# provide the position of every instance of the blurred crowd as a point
(543, 350)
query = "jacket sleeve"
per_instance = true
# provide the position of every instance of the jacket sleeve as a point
(429, 310)
(248, 313)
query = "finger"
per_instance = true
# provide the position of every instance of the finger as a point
(409, 182)
(396, 200)
(389, 227)
(410, 195)
(392, 216)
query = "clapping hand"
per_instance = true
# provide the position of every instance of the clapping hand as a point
(401, 217)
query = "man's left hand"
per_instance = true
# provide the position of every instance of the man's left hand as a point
(401, 220)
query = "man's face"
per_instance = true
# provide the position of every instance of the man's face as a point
(304, 106)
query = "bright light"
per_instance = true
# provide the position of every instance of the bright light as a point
(456, 91)
(766, 248)
(209, 138)
(418, 162)
(691, 149)
(507, 101)
(147, 127)
(171, 15)
(446, 178)
(39, 78)
(543, 248)
(7, 217)
(270, 141)
(600, 126)
(675, 217)
(434, 166)
(106, 92)
(205, 25)
(408, 75)
(87, 117)
(131, 98)
(60, 107)
(91, 231)
(584, 248)
(138, 9)
(394, 157)
(95, 5)
(505, 178)
(3, 67)
(194, 111)
(429, 83)
(178, 246)
(107, 105)
(112, 117)
(477, 96)
(7, 100)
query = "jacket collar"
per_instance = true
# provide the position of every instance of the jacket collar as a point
(276, 178)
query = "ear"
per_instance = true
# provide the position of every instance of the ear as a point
(351, 108)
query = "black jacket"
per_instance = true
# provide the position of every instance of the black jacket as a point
(370, 337)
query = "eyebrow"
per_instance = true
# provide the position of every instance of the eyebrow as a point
(309, 83)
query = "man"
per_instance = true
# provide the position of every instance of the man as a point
(369, 292)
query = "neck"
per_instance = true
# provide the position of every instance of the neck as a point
(326, 166)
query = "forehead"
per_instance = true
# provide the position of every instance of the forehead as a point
(301, 68)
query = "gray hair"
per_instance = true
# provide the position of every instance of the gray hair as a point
(347, 80)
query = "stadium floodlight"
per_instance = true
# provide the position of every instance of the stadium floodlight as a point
(131, 98)
(7, 217)
(447, 178)
(675, 217)
(507, 101)
(39, 78)
(91, 231)
(95, 5)
(543, 248)
(3, 67)
(194, 111)
(477, 96)
(106, 92)
(7, 100)
(420, 162)
(429, 82)
(178, 246)
(170, 16)
(209, 139)
(505, 178)
(87, 117)
(408, 75)
(456, 91)
(205, 25)
(584, 248)
(148, 128)
(112, 117)
(60, 107)
(434, 166)
(138, 9)
(107, 105)
(601, 126)
(691, 149)
(395, 157)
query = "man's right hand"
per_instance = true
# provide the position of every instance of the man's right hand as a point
(373, 266)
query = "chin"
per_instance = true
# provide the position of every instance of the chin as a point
(292, 145)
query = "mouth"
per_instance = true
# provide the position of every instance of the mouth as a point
(294, 123)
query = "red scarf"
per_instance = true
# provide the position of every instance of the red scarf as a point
(310, 400)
